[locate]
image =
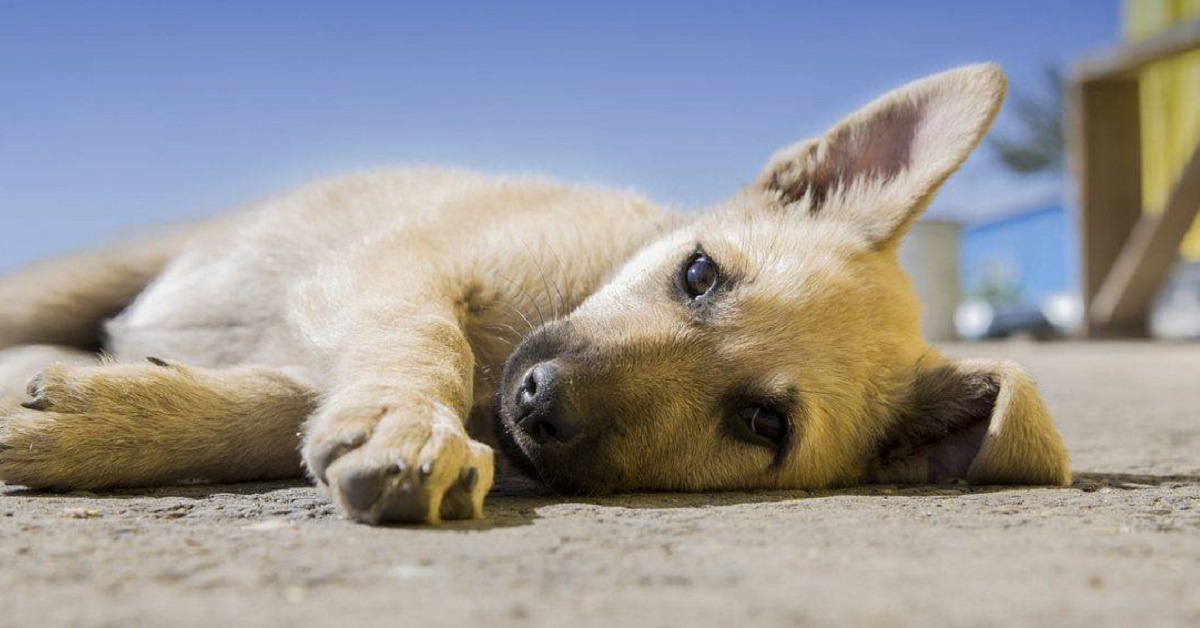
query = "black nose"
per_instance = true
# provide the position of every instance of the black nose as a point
(539, 406)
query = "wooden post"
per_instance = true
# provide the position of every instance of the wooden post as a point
(1125, 298)
(1105, 145)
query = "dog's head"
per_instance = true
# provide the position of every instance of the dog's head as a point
(774, 342)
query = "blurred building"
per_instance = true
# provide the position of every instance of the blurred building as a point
(930, 257)
(1026, 257)
(1018, 274)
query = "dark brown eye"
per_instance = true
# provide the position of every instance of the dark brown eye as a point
(699, 276)
(764, 423)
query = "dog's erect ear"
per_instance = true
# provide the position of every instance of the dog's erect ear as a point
(879, 168)
(978, 420)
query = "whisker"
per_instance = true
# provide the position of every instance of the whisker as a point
(528, 296)
(561, 270)
(547, 484)
(495, 324)
(506, 326)
(545, 284)
(533, 301)
(489, 375)
(505, 340)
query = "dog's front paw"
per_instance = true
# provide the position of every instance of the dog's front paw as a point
(386, 466)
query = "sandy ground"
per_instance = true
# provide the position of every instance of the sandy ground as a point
(1122, 547)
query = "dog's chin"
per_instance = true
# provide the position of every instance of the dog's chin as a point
(509, 447)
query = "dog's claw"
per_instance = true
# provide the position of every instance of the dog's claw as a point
(39, 404)
(425, 471)
(158, 362)
(35, 386)
(398, 467)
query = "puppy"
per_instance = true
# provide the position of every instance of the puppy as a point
(377, 330)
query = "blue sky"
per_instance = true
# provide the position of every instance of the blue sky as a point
(116, 115)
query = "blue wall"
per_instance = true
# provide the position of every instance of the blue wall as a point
(1034, 251)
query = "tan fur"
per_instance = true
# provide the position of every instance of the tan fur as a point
(149, 424)
(380, 310)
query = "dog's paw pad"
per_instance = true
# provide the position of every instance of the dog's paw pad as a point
(361, 488)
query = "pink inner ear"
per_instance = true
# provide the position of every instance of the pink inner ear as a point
(878, 148)
(952, 456)
(881, 149)
(928, 132)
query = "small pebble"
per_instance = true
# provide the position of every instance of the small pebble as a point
(77, 513)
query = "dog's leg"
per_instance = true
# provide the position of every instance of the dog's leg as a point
(149, 424)
(389, 441)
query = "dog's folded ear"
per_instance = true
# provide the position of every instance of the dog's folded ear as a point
(879, 168)
(978, 420)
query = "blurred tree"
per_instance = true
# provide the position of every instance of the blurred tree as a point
(999, 287)
(1039, 146)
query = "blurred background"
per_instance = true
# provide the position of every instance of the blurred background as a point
(122, 115)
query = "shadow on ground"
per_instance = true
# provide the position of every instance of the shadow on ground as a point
(516, 500)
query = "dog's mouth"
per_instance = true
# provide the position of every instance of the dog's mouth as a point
(564, 472)
(505, 433)
(549, 442)
(506, 417)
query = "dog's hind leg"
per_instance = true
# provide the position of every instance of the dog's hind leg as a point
(149, 424)
(65, 301)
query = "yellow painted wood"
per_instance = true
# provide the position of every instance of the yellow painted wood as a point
(1170, 106)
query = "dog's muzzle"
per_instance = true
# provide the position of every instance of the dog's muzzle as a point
(540, 425)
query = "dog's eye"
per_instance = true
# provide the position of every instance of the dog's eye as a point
(764, 423)
(699, 276)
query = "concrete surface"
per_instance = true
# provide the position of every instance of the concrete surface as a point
(1120, 548)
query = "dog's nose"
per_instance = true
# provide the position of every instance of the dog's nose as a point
(539, 406)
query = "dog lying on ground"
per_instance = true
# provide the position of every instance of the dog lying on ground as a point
(379, 329)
